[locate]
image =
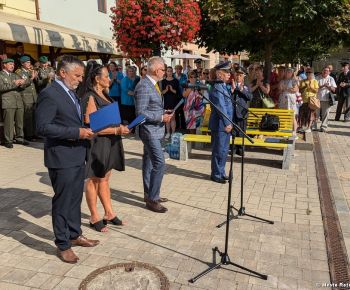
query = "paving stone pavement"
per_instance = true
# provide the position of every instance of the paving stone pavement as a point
(291, 252)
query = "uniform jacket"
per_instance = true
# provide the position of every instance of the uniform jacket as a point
(242, 98)
(345, 91)
(43, 79)
(28, 91)
(149, 102)
(10, 93)
(221, 96)
(58, 121)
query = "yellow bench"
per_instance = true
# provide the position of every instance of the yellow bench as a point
(274, 143)
(286, 122)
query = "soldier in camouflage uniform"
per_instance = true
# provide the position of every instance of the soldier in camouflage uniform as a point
(29, 96)
(11, 103)
(45, 74)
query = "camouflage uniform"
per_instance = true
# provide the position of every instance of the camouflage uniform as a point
(43, 79)
(12, 107)
(29, 97)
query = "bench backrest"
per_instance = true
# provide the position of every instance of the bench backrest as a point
(286, 117)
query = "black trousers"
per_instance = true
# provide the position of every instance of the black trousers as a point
(243, 125)
(127, 113)
(341, 100)
(68, 185)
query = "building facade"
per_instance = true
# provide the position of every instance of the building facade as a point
(89, 16)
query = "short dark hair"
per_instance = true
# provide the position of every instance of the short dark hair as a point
(67, 61)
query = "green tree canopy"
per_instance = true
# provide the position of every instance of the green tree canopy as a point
(287, 29)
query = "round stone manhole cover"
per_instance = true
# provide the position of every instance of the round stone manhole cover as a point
(126, 276)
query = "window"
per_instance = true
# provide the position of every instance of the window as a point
(102, 7)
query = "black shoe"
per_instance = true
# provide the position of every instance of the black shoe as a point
(8, 145)
(156, 206)
(225, 177)
(21, 142)
(218, 180)
(31, 139)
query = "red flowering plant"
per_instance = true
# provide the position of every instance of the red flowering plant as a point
(142, 27)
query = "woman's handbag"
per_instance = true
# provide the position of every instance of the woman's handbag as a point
(267, 101)
(269, 123)
(314, 103)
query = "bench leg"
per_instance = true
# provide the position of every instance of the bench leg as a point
(184, 150)
(287, 156)
(187, 148)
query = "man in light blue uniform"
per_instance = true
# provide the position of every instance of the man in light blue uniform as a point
(220, 127)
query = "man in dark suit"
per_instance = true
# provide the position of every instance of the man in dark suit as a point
(343, 85)
(148, 102)
(241, 96)
(220, 127)
(59, 120)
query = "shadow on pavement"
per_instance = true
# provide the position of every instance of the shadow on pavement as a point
(214, 257)
(339, 133)
(338, 126)
(128, 198)
(273, 163)
(18, 203)
(170, 169)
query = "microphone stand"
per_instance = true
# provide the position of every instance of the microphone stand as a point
(241, 211)
(225, 259)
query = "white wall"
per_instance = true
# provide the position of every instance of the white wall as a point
(82, 15)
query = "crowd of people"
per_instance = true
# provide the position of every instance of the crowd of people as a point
(57, 104)
(284, 88)
(21, 79)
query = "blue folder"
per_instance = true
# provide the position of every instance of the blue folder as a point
(138, 121)
(108, 116)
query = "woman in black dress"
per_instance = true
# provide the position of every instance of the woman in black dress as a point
(171, 94)
(106, 149)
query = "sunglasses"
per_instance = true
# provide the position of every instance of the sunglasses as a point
(205, 73)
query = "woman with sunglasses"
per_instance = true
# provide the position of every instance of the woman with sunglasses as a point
(194, 106)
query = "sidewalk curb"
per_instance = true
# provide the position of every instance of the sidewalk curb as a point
(307, 145)
(337, 193)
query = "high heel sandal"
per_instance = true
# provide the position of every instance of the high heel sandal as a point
(115, 221)
(98, 226)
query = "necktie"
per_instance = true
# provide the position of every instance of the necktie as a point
(158, 89)
(76, 102)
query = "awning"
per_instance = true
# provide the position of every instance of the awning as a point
(15, 28)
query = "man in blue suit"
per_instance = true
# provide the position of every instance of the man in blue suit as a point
(220, 95)
(59, 120)
(149, 102)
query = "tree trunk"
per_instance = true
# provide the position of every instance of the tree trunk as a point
(157, 51)
(268, 58)
(138, 63)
